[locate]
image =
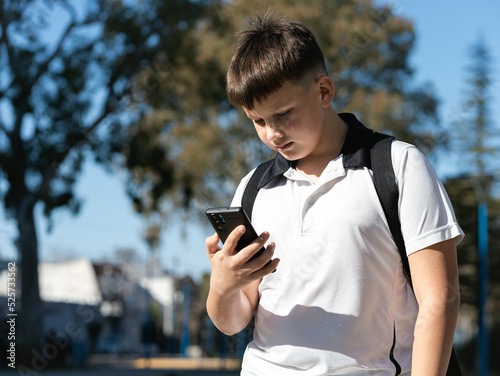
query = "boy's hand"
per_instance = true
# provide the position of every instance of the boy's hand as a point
(233, 270)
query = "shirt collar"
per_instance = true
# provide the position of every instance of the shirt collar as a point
(355, 151)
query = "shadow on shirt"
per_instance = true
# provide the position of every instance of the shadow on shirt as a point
(315, 328)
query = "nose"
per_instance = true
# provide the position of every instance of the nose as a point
(273, 132)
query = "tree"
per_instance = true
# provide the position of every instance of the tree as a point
(476, 135)
(67, 93)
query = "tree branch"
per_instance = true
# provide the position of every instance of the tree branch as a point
(110, 106)
(51, 171)
(43, 67)
(4, 39)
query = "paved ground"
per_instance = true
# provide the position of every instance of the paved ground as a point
(135, 372)
(161, 366)
(127, 372)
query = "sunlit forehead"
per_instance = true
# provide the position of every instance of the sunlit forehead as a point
(277, 103)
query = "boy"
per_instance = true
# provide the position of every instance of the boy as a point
(338, 303)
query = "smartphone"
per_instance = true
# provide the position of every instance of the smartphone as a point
(225, 220)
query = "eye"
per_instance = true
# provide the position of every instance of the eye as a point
(259, 122)
(282, 114)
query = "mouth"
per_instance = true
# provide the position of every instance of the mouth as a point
(284, 147)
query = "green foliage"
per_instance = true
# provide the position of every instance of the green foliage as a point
(212, 145)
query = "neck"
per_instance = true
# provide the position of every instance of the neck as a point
(335, 133)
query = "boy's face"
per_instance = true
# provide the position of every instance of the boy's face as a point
(292, 120)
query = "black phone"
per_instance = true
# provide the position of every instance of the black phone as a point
(226, 219)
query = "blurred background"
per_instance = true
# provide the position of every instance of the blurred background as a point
(115, 135)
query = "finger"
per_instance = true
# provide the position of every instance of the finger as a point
(269, 268)
(260, 260)
(212, 244)
(254, 248)
(232, 240)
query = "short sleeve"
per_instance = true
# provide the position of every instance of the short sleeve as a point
(425, 210)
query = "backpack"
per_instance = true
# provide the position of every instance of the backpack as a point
(388, 194)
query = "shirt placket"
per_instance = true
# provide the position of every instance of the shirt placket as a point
(313, 192)
(310, 197)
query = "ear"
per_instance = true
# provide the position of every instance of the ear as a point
(326, 89)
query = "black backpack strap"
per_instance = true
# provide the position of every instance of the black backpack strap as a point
(252, 188)
(388, 192)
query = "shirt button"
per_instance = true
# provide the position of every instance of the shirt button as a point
(310, 200)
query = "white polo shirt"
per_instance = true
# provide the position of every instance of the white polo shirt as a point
(338, 303)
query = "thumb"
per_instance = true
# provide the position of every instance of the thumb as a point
(212, 244)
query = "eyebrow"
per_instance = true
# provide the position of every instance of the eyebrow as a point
(278, 111)
(283, 108)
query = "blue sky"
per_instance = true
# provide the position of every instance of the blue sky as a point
(445, 29)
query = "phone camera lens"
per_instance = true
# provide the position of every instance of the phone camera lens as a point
(222, 218)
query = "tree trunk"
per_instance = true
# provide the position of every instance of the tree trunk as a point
(29, 319)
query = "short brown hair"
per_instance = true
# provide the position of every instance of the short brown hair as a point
(273, 51)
